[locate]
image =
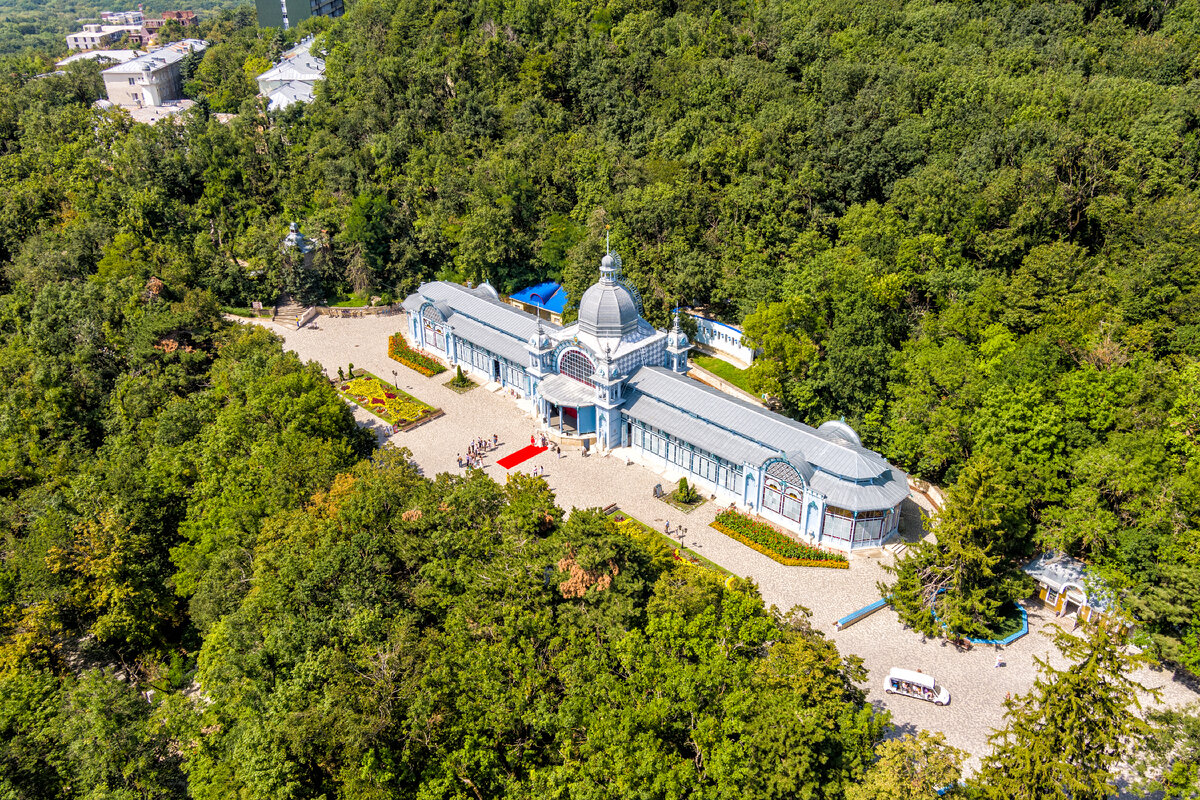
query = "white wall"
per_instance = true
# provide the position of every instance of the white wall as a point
(722, 338)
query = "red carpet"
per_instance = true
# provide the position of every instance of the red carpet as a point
(524, 454)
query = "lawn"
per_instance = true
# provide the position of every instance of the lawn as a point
(384, 400)
(353, 301)
(1008, 624)
(725, 371)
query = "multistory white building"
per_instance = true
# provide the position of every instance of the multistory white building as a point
(152, 79)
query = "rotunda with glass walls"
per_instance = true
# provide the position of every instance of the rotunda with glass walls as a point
(612, 381)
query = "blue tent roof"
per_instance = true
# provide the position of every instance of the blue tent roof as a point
(549, 295)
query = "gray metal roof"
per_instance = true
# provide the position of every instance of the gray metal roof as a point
(480, 306)
(607, 310)
(489, 339)
(696, 430)
(763, 426)
(564, 391)
(883, 493)
(157, 59)
(1058, 571)
(849, 476)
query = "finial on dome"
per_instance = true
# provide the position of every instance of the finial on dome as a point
(607, 352)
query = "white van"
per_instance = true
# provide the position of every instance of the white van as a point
(916, 684)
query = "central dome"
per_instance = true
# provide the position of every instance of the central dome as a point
(607, 309)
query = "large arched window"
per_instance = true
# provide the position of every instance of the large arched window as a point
(577, 366)
(435, 331)
(783, 490)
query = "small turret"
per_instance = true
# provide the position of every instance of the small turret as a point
(677, 347)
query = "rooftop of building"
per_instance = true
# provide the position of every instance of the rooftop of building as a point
(115, 56)
(297, 64)
(1059, 571)
(157, 59)
(550, 296)
(832, 460)
(93, 29)
(291, 92)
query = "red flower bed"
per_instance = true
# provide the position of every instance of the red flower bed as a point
(399, 350)
(776, 545)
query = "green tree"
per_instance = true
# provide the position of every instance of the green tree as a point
(1069, 734)
(965, 577)
(914, 767)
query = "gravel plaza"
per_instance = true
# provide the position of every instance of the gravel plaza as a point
(977, 685)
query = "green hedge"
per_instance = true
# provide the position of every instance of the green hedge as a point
(399, 350)
(775, 545)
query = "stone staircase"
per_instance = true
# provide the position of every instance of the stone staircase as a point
(288, 313)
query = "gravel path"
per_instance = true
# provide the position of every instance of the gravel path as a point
(978, 687)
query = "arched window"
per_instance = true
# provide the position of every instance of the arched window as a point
(785, 472)
(577, 366)
(772, 495)
(793, 503)
(435, 331)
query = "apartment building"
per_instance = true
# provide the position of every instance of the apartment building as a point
(99, 36)
(152, 79)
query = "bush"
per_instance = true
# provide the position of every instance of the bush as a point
(399, 350)
(775, 545)
(686, 493)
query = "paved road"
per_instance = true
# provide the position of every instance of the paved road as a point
(977, 685)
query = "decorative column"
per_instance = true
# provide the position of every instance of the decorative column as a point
(608, 399)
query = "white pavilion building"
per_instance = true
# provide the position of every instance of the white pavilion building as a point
(611, 379)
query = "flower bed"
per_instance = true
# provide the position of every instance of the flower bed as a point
(384, 400)
(775, 545)
(634, 528)
(399, 350)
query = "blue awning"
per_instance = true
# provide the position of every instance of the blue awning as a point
(549, 296)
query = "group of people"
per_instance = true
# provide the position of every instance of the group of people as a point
(475, 451)
(912, 689)
(538, 439)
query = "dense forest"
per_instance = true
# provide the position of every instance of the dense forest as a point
(970, 229)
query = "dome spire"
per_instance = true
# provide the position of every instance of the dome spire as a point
(610, 265)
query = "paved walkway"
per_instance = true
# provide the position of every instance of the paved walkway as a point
(977, 686)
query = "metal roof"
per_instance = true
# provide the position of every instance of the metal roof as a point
(883, 493)
(1058, 571)
(607, 310)
(487, 338)
(480, 306)
(859, 478)
(287, 94)
(696, 430)
(549, 295)
(761, 425)
(564, 391)
(157, 59)
(118, 56)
